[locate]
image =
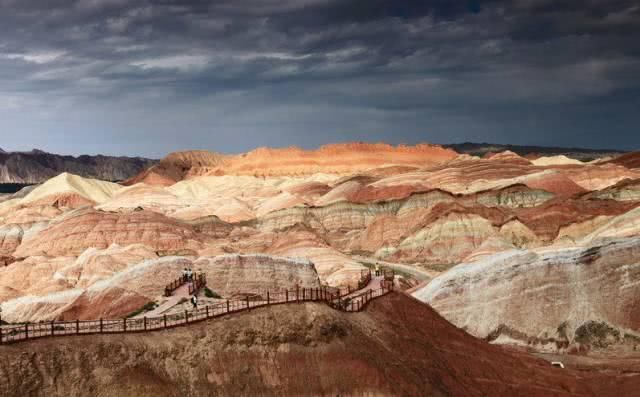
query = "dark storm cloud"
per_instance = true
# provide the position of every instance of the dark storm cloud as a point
(228, 75)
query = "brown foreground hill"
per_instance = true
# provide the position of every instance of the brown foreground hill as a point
(397, 346)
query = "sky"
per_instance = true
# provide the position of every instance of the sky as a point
(151, 77)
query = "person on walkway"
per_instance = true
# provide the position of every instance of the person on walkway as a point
(377, 270)
(185, 275)
(189, 275)
(194, 301)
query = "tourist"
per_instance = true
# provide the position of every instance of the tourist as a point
(185, 275)
(194, 302)
(377, 270)
(190, 274)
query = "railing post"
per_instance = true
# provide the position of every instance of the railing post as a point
(1, 341)
(247, 302)
(227, 305)
(101, 326)
(268, 299)
(124, 324)
(53, 328)
(145, 322)
(77, 327)
(286, 295)
(207, 310)
(304, 297)
(297, 293)
(26, 331)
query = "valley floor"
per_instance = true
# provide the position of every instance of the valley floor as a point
(627, 364)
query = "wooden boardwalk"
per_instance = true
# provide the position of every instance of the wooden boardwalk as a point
(343, 299)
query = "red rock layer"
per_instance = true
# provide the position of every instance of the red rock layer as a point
(177, 166)
(629, 160)
(335, 159)
(97, 229)
(546, 220)
(110, 303)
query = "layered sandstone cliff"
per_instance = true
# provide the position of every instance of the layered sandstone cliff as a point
(546, 298)
(116, 281)
(88, 228)
(408, 205)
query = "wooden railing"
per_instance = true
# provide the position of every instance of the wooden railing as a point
(199, 281)
(338, 298)
(365, 278)
(389, 274)
(174, 285)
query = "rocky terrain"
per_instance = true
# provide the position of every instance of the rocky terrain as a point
(37, 166)
(398, 346)
(546, 298)
(487, 228)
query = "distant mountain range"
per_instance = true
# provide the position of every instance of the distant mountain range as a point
(37, 166)
(480, 149)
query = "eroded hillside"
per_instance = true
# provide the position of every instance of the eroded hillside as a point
(397, 346)
(72, 242)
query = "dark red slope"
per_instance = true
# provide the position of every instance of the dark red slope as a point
(397, 346)
(629, 160)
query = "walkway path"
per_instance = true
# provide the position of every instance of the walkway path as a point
(158, 319)
(181, 293)
(414, 270)
(374, 284)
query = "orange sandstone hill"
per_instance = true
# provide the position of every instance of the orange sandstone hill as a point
(342, 159)
(75, 247)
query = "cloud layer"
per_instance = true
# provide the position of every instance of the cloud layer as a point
(148, 77)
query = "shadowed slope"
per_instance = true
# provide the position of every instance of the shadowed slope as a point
(629, 160)
(398, 346)
(37, 166)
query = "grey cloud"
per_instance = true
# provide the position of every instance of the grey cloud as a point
(393, 70)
